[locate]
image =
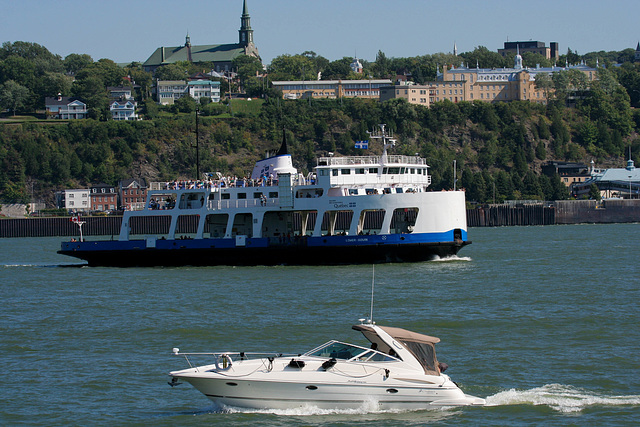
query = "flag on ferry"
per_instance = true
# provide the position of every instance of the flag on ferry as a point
(362, 144)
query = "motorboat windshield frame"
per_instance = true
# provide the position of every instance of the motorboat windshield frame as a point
(350, 352)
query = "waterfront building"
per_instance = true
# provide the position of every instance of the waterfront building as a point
(65, 108)
(103, 198)
(334, 89)
(612, 183)
(76, 200)
(132, 194)
(570, 173)
(220, 55)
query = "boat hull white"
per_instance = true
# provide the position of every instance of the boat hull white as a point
(345, 388)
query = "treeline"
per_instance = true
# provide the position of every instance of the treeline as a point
(498, 148)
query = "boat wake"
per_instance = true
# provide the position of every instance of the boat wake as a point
(311, 410)
(43, 265)
(451, 258)
(562, 398)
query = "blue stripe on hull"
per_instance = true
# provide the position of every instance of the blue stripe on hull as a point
(269, 251)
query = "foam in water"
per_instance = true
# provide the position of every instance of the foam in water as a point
(559, 397)
(367, 407)
(451, 258)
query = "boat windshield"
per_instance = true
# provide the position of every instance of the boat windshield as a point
(340, 350)
(425, 353)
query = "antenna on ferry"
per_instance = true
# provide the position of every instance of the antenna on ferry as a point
(387, 140)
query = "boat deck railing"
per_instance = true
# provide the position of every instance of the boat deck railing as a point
(230, 356)
(240, 203)
(370, 160)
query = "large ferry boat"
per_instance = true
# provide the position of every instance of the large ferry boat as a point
(349, 210)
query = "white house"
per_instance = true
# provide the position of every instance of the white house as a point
(64, 107)
(205, 89)
(73, 200)
(123, 109)
(168, 91)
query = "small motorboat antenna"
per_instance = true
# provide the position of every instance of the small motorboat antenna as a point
(373, 281)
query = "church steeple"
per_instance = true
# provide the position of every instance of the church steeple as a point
(245, 32)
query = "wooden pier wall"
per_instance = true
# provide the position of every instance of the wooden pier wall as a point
(506, 215)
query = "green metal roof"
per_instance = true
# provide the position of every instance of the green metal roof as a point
(202, 53)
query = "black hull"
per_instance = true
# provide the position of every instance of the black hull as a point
(279, 255)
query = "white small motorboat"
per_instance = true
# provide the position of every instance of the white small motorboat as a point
(399, 370)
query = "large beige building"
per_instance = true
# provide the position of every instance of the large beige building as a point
(481, 84)
(331, 88)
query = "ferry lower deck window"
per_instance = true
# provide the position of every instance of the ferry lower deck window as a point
(360, 171)
(373, 170)
(257, 195)
(273, 194)
(226, 196)
(345, 171)
(334, 172)
(353, 191)
(242, 195)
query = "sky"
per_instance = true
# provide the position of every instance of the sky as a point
(132, 30)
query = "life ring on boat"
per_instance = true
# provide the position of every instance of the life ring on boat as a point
(223, 362)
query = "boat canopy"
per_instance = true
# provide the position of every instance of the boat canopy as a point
(422, 347)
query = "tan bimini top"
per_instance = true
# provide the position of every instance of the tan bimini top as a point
(419, 345)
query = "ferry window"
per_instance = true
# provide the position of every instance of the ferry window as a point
(385, 170)
(360, 171)
(353, 191)
(226, 196)
(373, 170)
(402, 170)
(334, 172)
(257, 195)
(413, 171)
(394, 171)
(345, 171)
(273, 194)
(242, 195)
(398, 190)
(387, 190)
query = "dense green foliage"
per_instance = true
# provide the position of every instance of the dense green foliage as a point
(498, 148)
